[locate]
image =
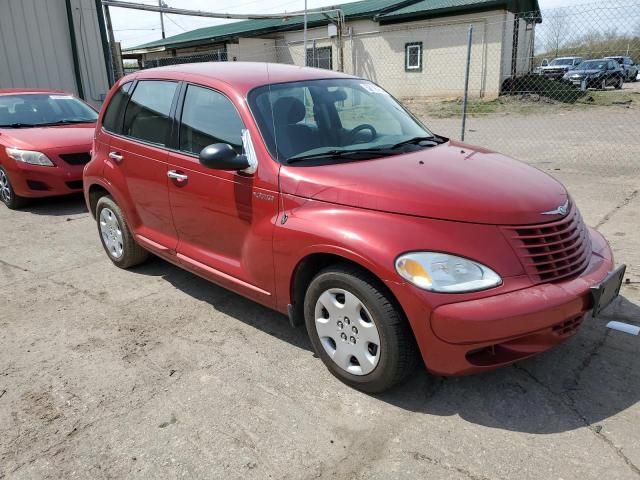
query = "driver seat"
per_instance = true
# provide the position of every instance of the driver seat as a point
(292, 137)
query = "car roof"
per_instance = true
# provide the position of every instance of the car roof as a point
(242, 76)
(14, 91)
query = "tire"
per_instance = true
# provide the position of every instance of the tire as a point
(620, 83)
(115, 235)
(381, 366)
(7, 194)
(603, 84)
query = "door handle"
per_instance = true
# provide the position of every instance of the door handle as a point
(177, 176)
(115, 156)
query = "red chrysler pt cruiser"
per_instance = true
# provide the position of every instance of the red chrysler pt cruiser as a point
(45, 137)
(318, 195)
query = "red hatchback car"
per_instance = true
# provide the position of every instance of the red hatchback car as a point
(45, 138)
(318, 195)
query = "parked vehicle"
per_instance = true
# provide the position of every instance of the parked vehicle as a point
(630, 68)
(45, 138)
(558, 67)
(316, 194)
(597, 74)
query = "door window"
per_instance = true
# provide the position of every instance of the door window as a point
(208, 117)
(147, 114)
(112, 121)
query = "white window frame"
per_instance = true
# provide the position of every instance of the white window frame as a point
(409, 48)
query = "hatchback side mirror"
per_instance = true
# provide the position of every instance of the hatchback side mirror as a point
(222, 156)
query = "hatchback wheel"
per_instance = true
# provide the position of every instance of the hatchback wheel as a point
(7, 195)
(357, 329)
(115, 235)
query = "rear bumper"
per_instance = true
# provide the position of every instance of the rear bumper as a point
(487, 333)
(33, 181)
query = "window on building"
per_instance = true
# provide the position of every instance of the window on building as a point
(147, 114)
(209, 117)
(320, 57)
(413, 57)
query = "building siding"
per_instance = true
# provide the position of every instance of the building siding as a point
(35, 47)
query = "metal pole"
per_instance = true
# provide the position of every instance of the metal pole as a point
(466, 84)
(117, 69)
(161, 18)
(305, 33)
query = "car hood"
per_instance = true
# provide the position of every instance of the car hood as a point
(556, 67)
(585, 72)
(453, 181)
(47, 138)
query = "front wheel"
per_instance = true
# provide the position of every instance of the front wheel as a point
(115, 235)
(620, 84)
(7, 195)
(357, 329)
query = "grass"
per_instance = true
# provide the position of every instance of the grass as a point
(520, 104)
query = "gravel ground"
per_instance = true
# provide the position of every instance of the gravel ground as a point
(155, 373)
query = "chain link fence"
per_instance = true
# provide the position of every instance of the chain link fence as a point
(558, 89)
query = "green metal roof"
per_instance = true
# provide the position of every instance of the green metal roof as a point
(387, 10)
(430, 8)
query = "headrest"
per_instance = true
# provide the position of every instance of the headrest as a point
(289, 110)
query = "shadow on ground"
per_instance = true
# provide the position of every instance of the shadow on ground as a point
(57, 206)
(580, 383)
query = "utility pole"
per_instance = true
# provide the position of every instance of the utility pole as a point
(305, 34)
(162, 4)
(116, 61)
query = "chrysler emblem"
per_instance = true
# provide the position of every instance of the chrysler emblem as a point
(561, 210)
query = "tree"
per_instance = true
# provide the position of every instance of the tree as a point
(555, 31)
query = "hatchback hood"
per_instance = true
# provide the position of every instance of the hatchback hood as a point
(45, 138)
(453, 181)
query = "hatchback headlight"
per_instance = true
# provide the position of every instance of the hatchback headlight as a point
(28, 156)
(440, 272)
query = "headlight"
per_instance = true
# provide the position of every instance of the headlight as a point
(27, 156)
(440, 272)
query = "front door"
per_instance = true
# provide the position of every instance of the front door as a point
(224, 223)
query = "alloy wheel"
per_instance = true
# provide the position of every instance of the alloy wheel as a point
(6, 194)
(347, 331)
(111, 233)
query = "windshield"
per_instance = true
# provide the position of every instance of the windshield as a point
(331, 116)
(562, 61)
(36, 109)
(593, 65)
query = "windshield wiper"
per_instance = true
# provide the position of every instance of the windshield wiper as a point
(63, 122)
(18, 125)
(341, 154)
(415, 140)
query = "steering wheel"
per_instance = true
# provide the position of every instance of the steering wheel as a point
(351, 136)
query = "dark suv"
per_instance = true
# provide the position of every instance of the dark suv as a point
(629, 66)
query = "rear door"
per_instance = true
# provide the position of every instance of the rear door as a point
(140, 156)
(224, 222)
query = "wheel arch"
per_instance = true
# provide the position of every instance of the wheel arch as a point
(312, 263)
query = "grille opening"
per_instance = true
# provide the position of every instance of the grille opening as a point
(569, 327)
(81, 158)
(75, 184)
(37, 185)
(553, 251)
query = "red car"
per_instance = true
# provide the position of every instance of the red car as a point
(45, 138)
(318, 195)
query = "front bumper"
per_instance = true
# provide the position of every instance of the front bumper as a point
(33, 181)
(490, 332)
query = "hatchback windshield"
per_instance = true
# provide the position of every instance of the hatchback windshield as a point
(593, 65)
(39, 109)
(333, 118)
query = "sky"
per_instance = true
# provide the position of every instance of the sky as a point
(134, 27)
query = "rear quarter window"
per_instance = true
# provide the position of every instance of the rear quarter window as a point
(112, 120)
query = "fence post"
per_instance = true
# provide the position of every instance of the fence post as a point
(466, 84)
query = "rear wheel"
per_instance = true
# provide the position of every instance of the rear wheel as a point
(115, 235)
(603, 84)
(7, 195)
(357, 330)
(620, 83)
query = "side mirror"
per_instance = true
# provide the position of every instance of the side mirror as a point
(222, 156)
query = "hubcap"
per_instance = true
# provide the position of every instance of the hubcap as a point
(347, 331)
(5, 187)
(111, 233)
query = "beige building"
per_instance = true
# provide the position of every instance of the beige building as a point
(413, 48)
